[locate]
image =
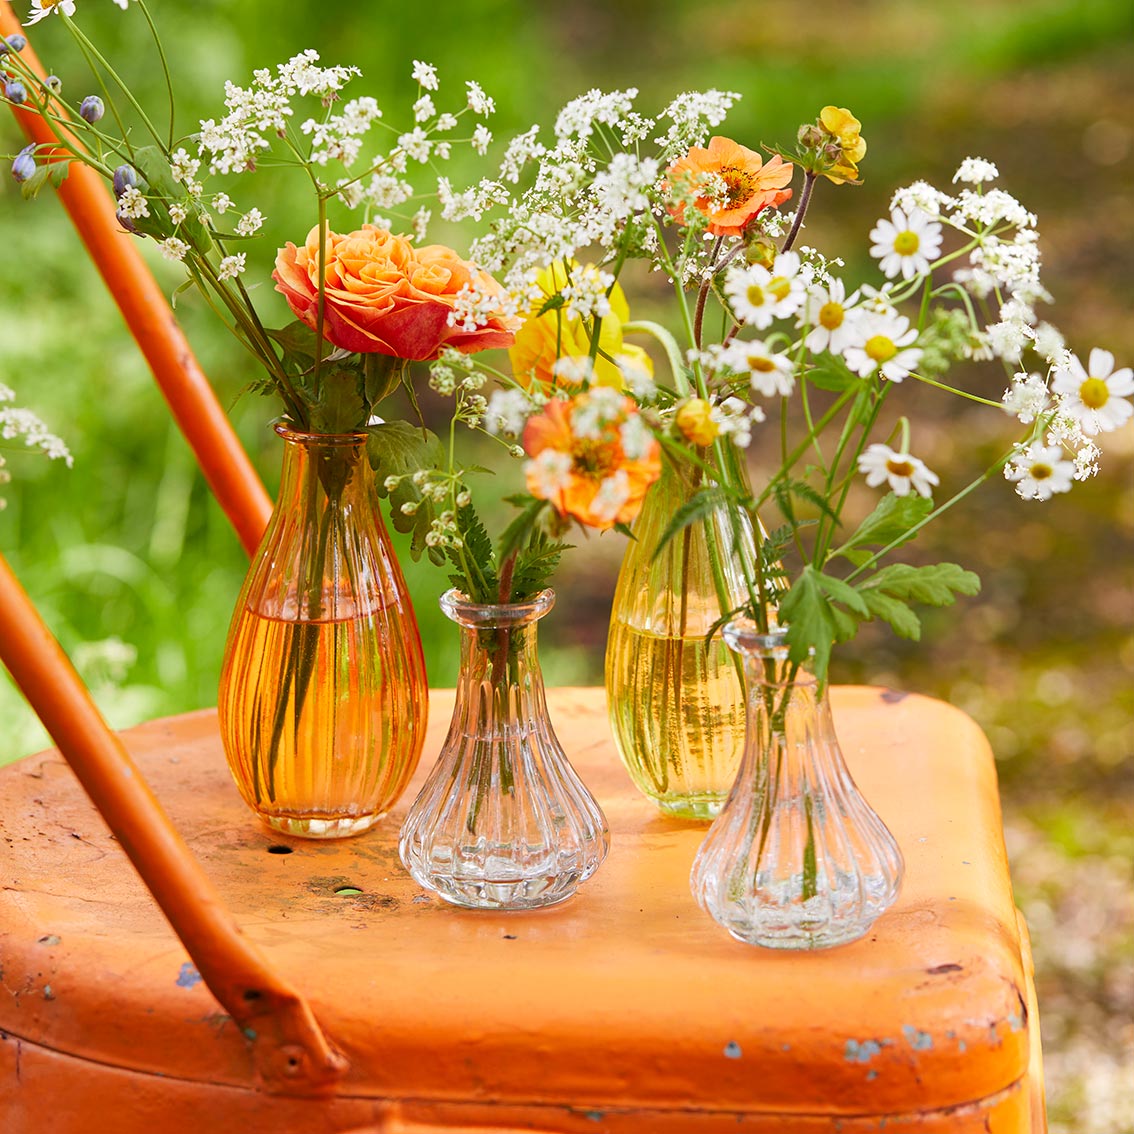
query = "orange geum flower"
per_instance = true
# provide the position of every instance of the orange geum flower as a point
(591, 457)
(734, 184)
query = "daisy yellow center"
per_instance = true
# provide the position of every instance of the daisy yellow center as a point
(831, 316)
(739, 185)
(897, 466)
(593, 458)
(1041, 472)
(779, 287)
(761, 364)
(880, 348)
(1093, 393)
(906, 243)
(755, 295)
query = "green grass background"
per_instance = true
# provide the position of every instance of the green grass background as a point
(129, 547)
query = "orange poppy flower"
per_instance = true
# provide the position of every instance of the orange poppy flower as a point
(740, 183)
(579, 460)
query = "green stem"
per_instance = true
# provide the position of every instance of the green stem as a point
(164, 68)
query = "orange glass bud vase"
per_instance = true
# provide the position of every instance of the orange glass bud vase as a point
(323, 697)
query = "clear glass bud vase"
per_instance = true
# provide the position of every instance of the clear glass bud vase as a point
(676, 701)
(797, 859)
(503, 821)
(323, 698)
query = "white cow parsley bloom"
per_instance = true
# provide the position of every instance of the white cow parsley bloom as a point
(173, 249)
(250, 223)
(508, 412)
(975, 171)
(425, 75)
(479, 102)
(231, 266)
(1026, 398)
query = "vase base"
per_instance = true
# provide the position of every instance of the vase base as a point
(506, 894)
(322, 827)
(701, 808)
(801, 940)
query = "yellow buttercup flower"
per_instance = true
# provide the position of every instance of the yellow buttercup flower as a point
(543, 339)
(694, 421)
(845, 129)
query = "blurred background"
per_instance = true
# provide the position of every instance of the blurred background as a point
(137, 570)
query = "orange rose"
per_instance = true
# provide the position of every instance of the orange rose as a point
(580, 461)
(746, 185)
(382, 295)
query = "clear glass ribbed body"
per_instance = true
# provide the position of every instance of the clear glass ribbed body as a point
(797, 859)
(676, 701)
(323, 698)
(503, 821)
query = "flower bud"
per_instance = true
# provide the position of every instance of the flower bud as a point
(91, 109)
(14, 43)
(24, 164)
(53, 83)
(14, 91)
(126, 223)
(762, 251)
(810, 137)
(833, 150)
(695, 423)
(125, 177)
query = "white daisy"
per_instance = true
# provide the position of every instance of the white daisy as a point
(41, 8)
(906, 243)
(828, 312)
(882, 342)
(881, 463)
(759, 296)
(1040, 471)
(1095, 396)
(771, 374)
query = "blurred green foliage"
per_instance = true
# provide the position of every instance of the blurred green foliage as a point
(129, 545)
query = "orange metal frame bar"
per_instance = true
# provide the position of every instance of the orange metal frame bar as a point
(147, 312)
(291, 1053)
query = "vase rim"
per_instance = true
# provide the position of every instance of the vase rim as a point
(479, 614)
(288, 432)
(745, 636)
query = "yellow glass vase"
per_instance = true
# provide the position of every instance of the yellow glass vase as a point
(676, 700)
(323, 697)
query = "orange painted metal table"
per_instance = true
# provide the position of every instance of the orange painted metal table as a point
(623, 1009)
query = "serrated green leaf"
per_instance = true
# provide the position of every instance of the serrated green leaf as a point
(891, 520)
(397, 448)
(60, 171)
(783, 490)
(936, 584)
(811, 626)
(832, 374)
(904, 622)
(535, 565)
(518, 532)
(839, 591)
(298, 341)
(552, 304)
(30, 188)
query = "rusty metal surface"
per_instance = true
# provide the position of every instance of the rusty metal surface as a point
(625, 1000)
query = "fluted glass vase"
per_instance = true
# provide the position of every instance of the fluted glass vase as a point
(797, 859)
(676, 697)
(323, 698)
(503, 821)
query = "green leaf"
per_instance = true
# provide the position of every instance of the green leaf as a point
(340, 407)
(399, 449)
(839, 591)
(937, 584)
(703, 502)
(784, 490)
(904, 622)
(60, 171)
(30, 188)
(381, 375)
(519, 531)
(892, 519)
(481, 584)
(535, 564)
(832, 374)
(812, 628)
(552, 304)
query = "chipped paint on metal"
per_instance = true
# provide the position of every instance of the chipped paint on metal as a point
(188, 976)
(863, 1052)
(732, 1050)
(918, 1040)
(871, 1075)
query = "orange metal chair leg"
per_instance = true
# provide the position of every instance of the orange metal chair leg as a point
(291, 1054)
(147, 312)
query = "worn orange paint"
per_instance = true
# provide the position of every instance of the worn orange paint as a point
(292, 1053)
(625, 1009)
(147, 312)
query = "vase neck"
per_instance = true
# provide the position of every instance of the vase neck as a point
(321, 469)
